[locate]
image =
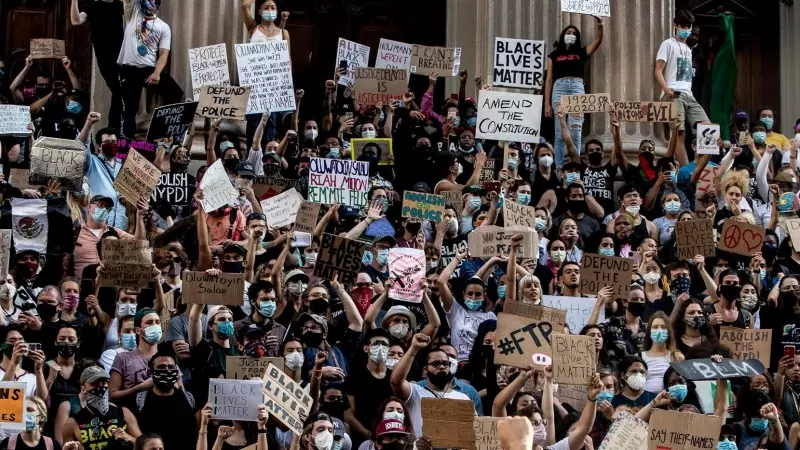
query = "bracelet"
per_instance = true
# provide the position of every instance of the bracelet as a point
(591, 399)
(260, 431)
(202, 432)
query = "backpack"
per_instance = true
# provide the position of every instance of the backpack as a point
(12, 442)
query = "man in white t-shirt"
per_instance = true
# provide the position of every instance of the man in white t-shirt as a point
(142, 59)
(674, 75)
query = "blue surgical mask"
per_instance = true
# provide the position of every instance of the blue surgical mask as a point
(678, 391)
(269, 16)
(333, 153)
(684, 34)
(673, 176)
(383, 116)
(540, 224)
(659, 336)
(152, 334)
(128, 341)
(74, 107)
(473, 305)
(605, 395)
(512, 164)
(727, 445)
(501, 291)
(475, 202)
(606, 251)
(525, 199)
(672, 206)
(759, 424)
(769, 122)
(572, 177)
(472, 121)
(225, 330)
(466, 224)
(458, 121)
(382, 257)
(100, 215)
(759, 137)
(266, 308)
(31, 421)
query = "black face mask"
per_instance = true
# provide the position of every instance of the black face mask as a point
(232, 266)
(769, 252)
(178, 166)
(596, 157)
(636, 309)
(66, 350)
(318, 306)
(46, 311)
(788, 300)
(230, 163)
(271, 170)
(577, 206)
(439, 380)
(413, 227)
(165, 379)
(373, 163)
(729, 291)
(393, 446)
(42, 90)
(312, 339)
(336, 409)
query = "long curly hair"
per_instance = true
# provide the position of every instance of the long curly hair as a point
(679, 325)
(738, 179)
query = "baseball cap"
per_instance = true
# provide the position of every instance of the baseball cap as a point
(137, 319)
(388, 238)
(93, 373)
(212, 311)
(390, 426)
(318, 319)
(474, 189)
(251, 332)
(271, 157)
(377, 332)
(234, 248)
(741, 115)
(301, 276)
(102, 198)
(338, 428)
(245, 169)
(421, 187)
(401, 311)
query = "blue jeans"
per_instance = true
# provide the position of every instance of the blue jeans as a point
(566, 86)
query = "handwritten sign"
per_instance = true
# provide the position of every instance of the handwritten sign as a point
(171, 121)
(218, 190)
(393, 55)
(407, 267)
(449, 423)
(418, 205)
(627, 432)
(381, 146)
(454, 199)
(61, 160)
(646, 111)
(793, 225)
(134, 251)
(169, 305)
(146, 149)
(285, 399)
(518, 214)
(706, 181)
(265, 68)
(442, 60)
(574, 359)
(741, 238)
(674, 430)
(228, 102)
(486, 433)
(522, 341)
(695, 237)
(307, 215)
(172, 189)
(339, 256)
(209, 67)
(269, 186)
(599, 271)
(706, 369)
(338, 181)
(591, 7)
(234, 399)
(14, 120)
(354, 55)
(375, 86)
(506, 116)
(137, 179)
(578, 310)
(518, 63)
(586, 103)
(134, 276)
(747, 344)
(707, 136)
(248, 368)
(488, 241)
(5, 251)
(536, 312)
(12, 405)
(572, 395)
(282, 209)
(47, 48)
(223, 289)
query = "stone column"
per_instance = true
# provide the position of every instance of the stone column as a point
(789, 24)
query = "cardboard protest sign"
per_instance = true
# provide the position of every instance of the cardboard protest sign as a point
(407, 267)
(418, 205)
(47, 48)
(339, 256)
(599, 271)
(486, 241)
(350, 55)
(234, 399)
(223, 102)
(706, 181)
(518, 214)
(137, 179)
(381, 146)
(522, 341)
(286, 400)
(449, 423)
(793, 225)
(307, 215)
(627, 432)
(248, 367)
(5, 251)
(375, 86)
(741, 237)
(578, 310)
(20, 178)
(171, 121)
(646, 111)
(61, 160)
(442, 60)
(14, 120)
(269, 186)
(586, 103)
(172, 189)
(169, 305)
(707, 136)
(265, 68)
(393, 55)
(695, 237)
(506, 116)
(338, 181)
(747, 344)
(12, 405)
(591, 7)
(454, 199)
(223, 289)
(706, 369)
(146, 149)
(674, 430)
(208, 66)
(573, 395)
(282, 209)
(124, 251)
(536, 312)
(574, 359)
(134, 276)
(518, 63)
(486, 433)
(217, 188)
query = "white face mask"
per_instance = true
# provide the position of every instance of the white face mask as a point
(7, 291)
(311, 259)
(633, 210)
(323, 440)
(126, 309)
(453, 365)
(636, 381)
(311, 134)
(378, 353)
(651, 277)
(398, 331)
(396, 415)
(390, 363)
(294, 360)
(296, 287)
(546, 161)
(558, 256)
(369, 134)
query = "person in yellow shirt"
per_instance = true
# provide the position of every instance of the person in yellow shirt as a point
(773, 137)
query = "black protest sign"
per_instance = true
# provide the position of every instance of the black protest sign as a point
(339, 256)
(171, 120)
(706, 369)
(172, 189)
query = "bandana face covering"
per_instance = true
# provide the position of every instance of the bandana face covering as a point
(97, 398)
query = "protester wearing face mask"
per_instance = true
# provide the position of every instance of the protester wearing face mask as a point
(548, 267)
(544, 178)
(631, 206)
(293, 359)
(210, 347)
(317, 432)
(624, 335)
(125, 306)
(102, 168)
(598, 179)
(725, 308)
(126, 340)
(391, 408)
(378, 263)
(63, 386)
(448, 169)
(692, 326)
(672, 206)
(579, 209)
(761, 423)
(773, 137)
(32, 436)
(263, 301)
(376, 223)
(129, 371)
(634, 376)
(658, 352)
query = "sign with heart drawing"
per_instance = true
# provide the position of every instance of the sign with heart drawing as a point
(741, 237)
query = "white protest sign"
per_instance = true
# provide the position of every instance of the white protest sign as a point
(340, 181)
(355, 55)
(282, 209)
(14, 120)
(518, 63)
(592, 7)
(506, 116)
(579, 309)
(209, 67)
(265, 68)
(235, 399)
(707, 136)
(393, 55)
(217, 188)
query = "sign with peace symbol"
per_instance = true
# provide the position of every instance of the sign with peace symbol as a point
(741, 237)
